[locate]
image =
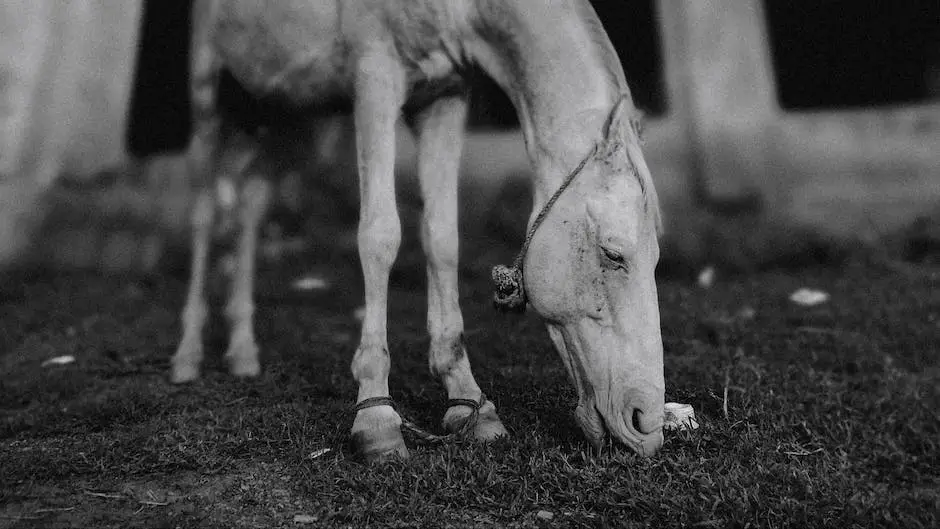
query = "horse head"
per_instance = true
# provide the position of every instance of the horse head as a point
(589, 272)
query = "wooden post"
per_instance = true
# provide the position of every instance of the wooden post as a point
(66, 70)
(720, 84)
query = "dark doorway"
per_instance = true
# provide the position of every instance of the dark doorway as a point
(634, 31)
(850, 53)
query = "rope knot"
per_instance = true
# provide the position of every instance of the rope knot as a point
(510, 294)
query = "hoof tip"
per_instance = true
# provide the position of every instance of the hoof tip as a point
(244, 368)
(183, 373)
(486, 427)
(242, 358)
(489, 429)
(379, 445)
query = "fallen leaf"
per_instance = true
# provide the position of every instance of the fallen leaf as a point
(317, 453)
(544, 515)
(310, 283)
(809, 297)
(706, 278)
(59, 361)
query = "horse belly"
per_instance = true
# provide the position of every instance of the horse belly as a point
(290, 49)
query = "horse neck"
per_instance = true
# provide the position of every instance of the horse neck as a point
(551, 63)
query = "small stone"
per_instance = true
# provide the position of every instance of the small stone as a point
(544, 515)
(305, 518)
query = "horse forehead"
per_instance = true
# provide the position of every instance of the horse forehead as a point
(618, 206)
(620, 187)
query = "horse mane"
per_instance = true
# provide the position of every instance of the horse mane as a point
(613, 68)
(598, 35)
(610, 61)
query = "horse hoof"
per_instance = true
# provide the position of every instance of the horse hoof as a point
(183, 372)
(243, 361)
(489, 428)
(486, 425)
(380, 444)
(244, 367)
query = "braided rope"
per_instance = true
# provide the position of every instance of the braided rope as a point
(517, 263)
(420, 433)
(510, 285)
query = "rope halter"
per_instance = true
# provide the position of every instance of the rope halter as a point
(509, 295)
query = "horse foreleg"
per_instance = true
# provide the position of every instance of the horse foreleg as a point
(242, 354)
(440, 130)
(376, 430)
(185, 363)
(202, 158)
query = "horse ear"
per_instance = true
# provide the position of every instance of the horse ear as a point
(619, 118)
(625, 120)
(617, 130)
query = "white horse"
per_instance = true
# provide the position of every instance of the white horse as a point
(588, 263)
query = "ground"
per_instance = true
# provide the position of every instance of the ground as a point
(819, 416)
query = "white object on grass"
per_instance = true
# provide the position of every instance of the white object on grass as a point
(679, 417)
(706, 278)
(317, 453)
(311, 283)
(809, 297)
(59, 360)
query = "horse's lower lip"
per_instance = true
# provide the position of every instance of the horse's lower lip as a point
(592, 424)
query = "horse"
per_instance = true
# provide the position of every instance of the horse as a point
(587, 264)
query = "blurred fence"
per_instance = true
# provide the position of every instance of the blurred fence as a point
(741, 180)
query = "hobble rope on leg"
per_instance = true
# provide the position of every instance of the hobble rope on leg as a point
(467, 424)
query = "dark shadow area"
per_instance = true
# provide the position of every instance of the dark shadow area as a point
(853, 53)
(159, 110)
(634, 31)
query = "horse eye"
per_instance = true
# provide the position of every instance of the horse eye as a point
(614, 257)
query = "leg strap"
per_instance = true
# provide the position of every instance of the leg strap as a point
(470, 403)
(373, 402)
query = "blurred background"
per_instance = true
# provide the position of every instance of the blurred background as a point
(776, 132)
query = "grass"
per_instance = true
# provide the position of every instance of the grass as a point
(810, 417)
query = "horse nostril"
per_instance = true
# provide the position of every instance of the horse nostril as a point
(637, 412)
(645, 422)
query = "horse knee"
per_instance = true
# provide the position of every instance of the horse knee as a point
(379, 240)
(440, 243)
(203, 211)
(256, 193)
(370, 362)
(445, 354)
